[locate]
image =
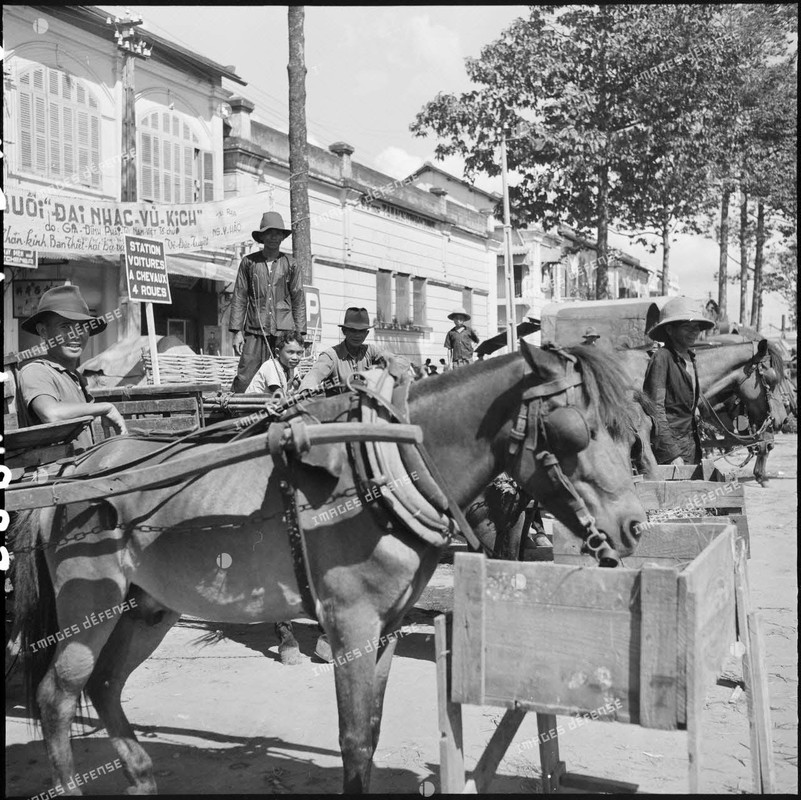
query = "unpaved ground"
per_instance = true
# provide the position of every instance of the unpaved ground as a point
(228, 718)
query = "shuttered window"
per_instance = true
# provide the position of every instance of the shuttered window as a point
(419, 301)
(467, 300)
(383, 284)
(59, 128)
(172, 167)
(402, 299)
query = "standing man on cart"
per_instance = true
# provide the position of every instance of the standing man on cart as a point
(268, 299)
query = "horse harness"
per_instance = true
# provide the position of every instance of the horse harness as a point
(563, 430)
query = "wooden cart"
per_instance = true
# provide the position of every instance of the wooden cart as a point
(638, 644)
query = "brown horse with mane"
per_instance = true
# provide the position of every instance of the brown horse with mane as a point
(550, 418)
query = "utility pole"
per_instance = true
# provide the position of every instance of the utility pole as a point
(298, 149)
(511, 321)
(132, 45)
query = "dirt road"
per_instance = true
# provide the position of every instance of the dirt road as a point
(226, 717)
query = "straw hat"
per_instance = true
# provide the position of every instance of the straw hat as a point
(459, 311)
(67, 302)
(679, 309)
(591, 333)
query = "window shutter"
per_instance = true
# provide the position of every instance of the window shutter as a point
(83, 145)
(383, 284)
(146, 162)
(40, 134)
(208, 177)
(55, 136)
(189, 191)
(95, 130)
(156, 168)
(402, 299)
(176, 173)
(69, 141)
(26, 130)
(419, 301)
(167, 171)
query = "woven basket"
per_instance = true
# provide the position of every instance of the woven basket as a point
(185, 368)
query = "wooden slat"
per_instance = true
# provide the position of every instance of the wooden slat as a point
(156, 406)
(690, 494)
(551, 767)
(140, 392)
(710, 578)
(174, 424)
(590, 620)
(658, 665)
(451, 751)
(755, 679)
(494, 752)
(467, 670)
(669, 544)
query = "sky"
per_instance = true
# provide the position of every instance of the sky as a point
(370, 70)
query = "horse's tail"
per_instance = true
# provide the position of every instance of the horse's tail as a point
(34, 603)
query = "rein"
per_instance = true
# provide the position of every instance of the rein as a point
(533, 416)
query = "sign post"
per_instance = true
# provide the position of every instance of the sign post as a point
(146, 271)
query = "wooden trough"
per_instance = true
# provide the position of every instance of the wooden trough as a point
(638, 644)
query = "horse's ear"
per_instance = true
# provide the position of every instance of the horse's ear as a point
(541, 361)
(762, 348)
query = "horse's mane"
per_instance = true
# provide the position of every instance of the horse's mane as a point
(646, 403)
(605, 387)
(604, 384)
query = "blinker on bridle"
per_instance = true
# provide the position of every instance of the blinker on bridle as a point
(564, 430)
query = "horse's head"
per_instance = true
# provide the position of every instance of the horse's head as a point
(566, 446)
(757, 388)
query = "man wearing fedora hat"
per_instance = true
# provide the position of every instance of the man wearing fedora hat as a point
(338, 363)
(50, 385)
(459, 339)
(671, 381)
(268, 299)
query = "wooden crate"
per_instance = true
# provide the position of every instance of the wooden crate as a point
(638, 638)
(637, 644)
(705, 471)
(172, 408)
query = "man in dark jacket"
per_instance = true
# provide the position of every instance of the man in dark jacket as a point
(671, 381)
(268, 299)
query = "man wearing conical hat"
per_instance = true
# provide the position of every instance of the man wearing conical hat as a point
(671, 381)
(460, 338)
(50, 385)
(268, 299)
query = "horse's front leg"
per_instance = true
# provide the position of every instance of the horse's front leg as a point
(354, 653)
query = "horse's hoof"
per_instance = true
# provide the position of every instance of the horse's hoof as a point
(323, 650)
(290, 656)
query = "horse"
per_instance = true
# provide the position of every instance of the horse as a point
(215, 545)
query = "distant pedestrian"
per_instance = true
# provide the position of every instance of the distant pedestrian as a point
(459, 339)
(591, 336)
(268, 299)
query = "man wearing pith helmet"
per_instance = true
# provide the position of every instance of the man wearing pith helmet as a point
(671, 381)
(591, 336)
(268, 299)
(336, 364)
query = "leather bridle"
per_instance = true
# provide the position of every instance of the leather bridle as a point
(533, 417)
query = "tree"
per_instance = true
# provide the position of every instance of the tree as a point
(298, 151)
(560, 68)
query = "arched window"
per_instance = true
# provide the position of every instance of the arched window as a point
(59, 127)
(172, 167)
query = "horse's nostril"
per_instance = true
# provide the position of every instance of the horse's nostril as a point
(636, 528)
